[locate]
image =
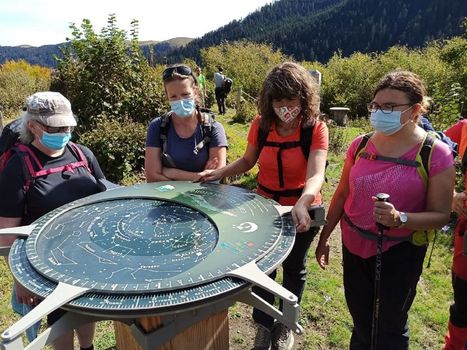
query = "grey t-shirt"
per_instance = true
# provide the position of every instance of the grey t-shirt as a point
(219, 79)
(181, 150)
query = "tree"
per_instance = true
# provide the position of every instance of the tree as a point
(105, 75)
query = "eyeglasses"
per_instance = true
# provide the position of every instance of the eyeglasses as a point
(182, 70)
(385, 109)
(54, 129)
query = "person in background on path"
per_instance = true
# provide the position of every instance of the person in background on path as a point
(46, 130)
(417, 203)
(180, 157)
(219, 78)
(456, 339)
(289, 107)
(202, 87)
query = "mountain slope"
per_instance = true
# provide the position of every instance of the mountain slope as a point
(315, 29)
(44, 55)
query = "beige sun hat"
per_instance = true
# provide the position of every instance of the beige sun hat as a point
(50, 108)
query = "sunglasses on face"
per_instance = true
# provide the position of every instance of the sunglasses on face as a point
(54, 129)
(182, 70)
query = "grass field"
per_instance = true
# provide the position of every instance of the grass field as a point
(324, 313)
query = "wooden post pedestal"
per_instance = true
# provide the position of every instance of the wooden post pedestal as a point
(211, 333)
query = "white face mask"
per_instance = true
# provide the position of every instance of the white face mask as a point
(287, 114)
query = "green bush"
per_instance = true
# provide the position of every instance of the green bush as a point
(18, 80)
(246, 112)
(340, 137)
(246, 63)
(119, 147)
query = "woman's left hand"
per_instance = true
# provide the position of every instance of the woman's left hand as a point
(301, 217)
(385, 213)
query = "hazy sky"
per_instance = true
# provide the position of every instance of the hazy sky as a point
(42, 22)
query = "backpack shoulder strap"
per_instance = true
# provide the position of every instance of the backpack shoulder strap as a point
(424, 157)
(305, 139)
(206, 126)
(164, 131)
(28, 158)
(262, 137)
(80, 156)
(362, 146)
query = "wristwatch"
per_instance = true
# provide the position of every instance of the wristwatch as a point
(402, 218)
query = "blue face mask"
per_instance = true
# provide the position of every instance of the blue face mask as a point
(387, 123)
(183, 108)
(55, 141)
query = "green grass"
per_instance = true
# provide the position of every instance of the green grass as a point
(324, 315)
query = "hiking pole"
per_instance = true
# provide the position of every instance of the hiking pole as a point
(383, 197)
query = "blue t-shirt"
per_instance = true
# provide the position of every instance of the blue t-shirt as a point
(181, 150)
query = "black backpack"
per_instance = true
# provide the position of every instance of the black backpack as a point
(227, 85)
(10, 135)
(206, 126)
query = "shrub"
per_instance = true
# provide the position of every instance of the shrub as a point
(246, 63)
(246, 112)
(118, 145)
(18, 80)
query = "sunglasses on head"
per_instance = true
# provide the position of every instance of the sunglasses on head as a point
(182, 70)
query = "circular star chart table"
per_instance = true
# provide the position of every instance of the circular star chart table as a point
(178, 251)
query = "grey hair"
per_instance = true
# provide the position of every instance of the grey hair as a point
(25, 135)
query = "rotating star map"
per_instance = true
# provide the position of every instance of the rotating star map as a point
(153, 249)
(121, 305)
(153, 237)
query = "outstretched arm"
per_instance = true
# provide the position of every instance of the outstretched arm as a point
(240, 166)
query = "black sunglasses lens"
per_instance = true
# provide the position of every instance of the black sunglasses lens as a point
(182, 70)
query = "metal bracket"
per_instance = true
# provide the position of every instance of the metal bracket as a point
(18, 231)
(60, 296)
(67, 322)
(251, 273)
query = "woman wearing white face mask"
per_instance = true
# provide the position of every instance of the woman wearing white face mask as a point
(418, 174)
(186, 140)
(290, 145)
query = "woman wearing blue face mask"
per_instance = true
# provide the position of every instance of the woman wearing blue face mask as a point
(42, 172)
(186, 140)
(418, 174)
